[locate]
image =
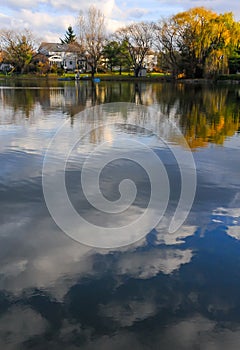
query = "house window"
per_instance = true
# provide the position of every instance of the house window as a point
(70, 62)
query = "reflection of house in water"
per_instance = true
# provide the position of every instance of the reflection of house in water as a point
(56, 97)
(144, 94)
(203, 114)
(72, 97)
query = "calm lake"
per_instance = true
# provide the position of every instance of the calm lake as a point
(67, 283)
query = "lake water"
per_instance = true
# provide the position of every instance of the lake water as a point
(95, 277)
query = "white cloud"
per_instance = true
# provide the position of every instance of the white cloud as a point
(164, 237)
(147, 264)
(18, 325)
(137, 13)
(196, 332)
(234, 231)
(50, 19)
(44, 255)
(229, 217)
(47, 25)
(200, 333)
(234, 212)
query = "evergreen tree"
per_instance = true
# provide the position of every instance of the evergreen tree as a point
(70, 37)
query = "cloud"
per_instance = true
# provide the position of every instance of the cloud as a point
(178, 237)
(42, 257)
(234, 231)
(219, 6)
(19, 324)
(147, 264)
(50, 19)
(229, 217)
(192, 332)
(128, 312)
(137, 13)
(198, 332)
(43, 254)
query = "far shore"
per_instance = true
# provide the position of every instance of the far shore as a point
(151, 77)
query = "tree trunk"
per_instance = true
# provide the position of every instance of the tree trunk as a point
(93, 72)
(198, 72)
(136, 71)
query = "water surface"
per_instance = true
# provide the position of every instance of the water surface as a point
(170, 291)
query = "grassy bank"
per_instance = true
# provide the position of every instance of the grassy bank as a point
(125, 76)
(102, 76)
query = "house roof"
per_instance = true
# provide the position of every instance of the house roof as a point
(58, 47)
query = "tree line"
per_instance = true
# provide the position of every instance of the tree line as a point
(196, 43)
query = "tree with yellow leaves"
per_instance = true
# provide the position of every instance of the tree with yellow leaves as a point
(198, 42)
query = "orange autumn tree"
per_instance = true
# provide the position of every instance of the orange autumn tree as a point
(198, 41)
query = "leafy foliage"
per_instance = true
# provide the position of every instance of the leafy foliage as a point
(18, 49)
(198, 41)
(195, 43)
(116, 55)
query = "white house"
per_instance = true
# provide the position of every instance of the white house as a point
(150, 61)
(68, 56)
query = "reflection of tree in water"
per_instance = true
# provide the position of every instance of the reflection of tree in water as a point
(211, 117)
(91, 94)
(20, 100)
(206, 113)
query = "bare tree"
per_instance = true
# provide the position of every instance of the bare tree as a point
(92, 35)
(138, 39)
(18, 48)
(166, 41)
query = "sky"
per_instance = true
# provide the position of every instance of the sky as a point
(49, 19)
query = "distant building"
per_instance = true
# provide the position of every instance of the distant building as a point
(67, 56)
(5, 67)
(151, 60)
(143, 72)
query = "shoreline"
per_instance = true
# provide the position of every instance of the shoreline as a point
(115, 78)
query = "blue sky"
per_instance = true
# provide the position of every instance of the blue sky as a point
(49, 19)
